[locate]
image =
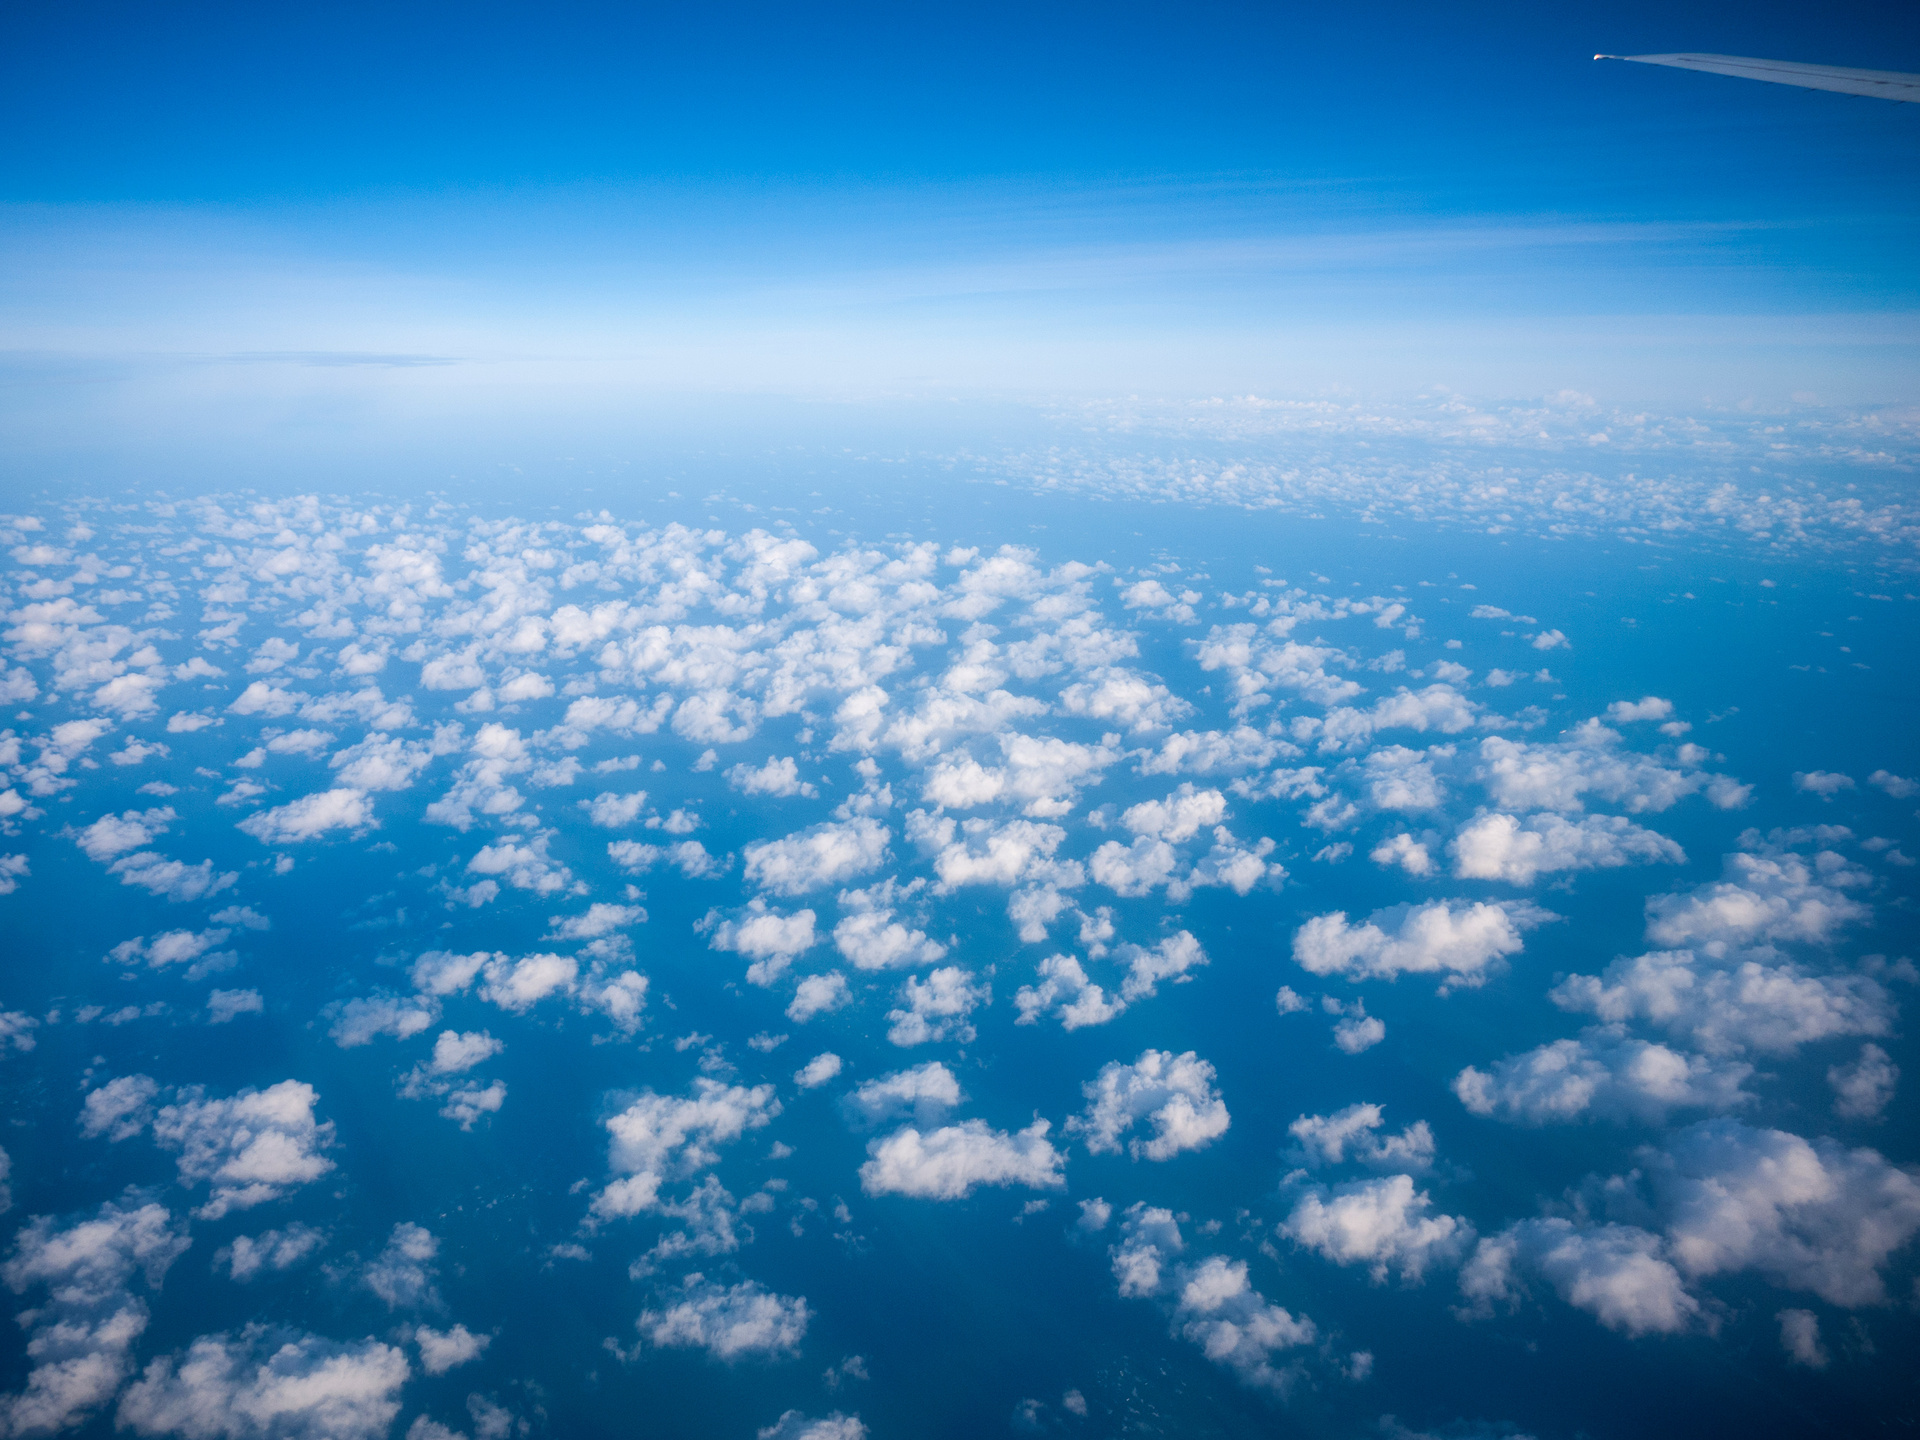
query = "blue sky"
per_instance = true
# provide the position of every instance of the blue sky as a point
(855, 202)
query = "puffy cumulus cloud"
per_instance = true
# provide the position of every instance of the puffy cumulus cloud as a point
(81, 1341)
(444, 1350)
(119, 1109)
(1617, 1273)
(870, 936)
(767, 938)
(362, 1021)
(524, 866)
(1587, 761)
(937, 1007)
(689, 857)
(387, 762)
(402, 1274)
(1720, 1198)
(224, 1006)
(1461, 942)
(269, 1251)
(792, 1425)
(953, 1161)
(1865, 1088)
(1400, 779)
(779, 778)
(1763, 898)
(1800, 1338)
(600, 919)
(1730, 1008)
(1118, 695)
(1355, 1135)
(440, 972)
(1137, 869)
(1065, 989)
(1605, 1074)
(1806, 1215)
(926, 1092)
(1437, 707)
(1172, 959)
(1384, 1224)
(1173, 1093)
(818, 994)
(1208, 752)
(249, 1148)
(1409, 854)
(1179, 817)
(658, 1138)
(172, 880)
(612, 811)
(197, 949)
(818, 1071)
(517, 986)
(260, 1383)
(1824, 783)
(729, 1322)
(1213, 1303)
(1041, 774)
(1505, 847)
(311, 816)
(982, 853)
(112, 835)
(1649, 707)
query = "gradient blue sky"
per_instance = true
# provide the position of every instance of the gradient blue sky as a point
(590, 208)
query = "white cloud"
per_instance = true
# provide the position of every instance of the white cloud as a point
(119, 1109)
(1824, 783)
(1463, 944)
(1800, 1338)
(767, 938)
(172, 880)
(256, 1146)
(1171, 959)
(792, 1425)
(525, 867)
(437, 972)
(1179, 817)
(1354, 1134)
(1409, 854)
(518, 985)
(600, 919)
(1504, 847)
(384, 762)
(1383, 1224)
(953, 1161)
(611, 811)
(174, 947)
(1523, 776)
(1065, 988)
(259, 1383)
(226, 1005)
(311, 816)
(1729, 1009)
(1865, 1088)
(1898, 786)
(1651, 707)
(264, 700)
(1175, 1093)
(363, 1020)
(111, 835)
(270, 1250)
(937, 1007)
(873, 939)
(825, 855)
(81, 1341)
(662, 1137)
(779, 777)
(818, 1071)
(1604, 1074)
(1762, 898)
(990, 854)
(1134, 870)
(402, 1273)
(729, 1322)
(444, 1350)
(1359, 1032)
(1213, 1303)
(1727, 1198)
(1614, 1272)
(926, 1092)
(818, 994)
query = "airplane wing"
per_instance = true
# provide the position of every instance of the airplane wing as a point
(1881, 84)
